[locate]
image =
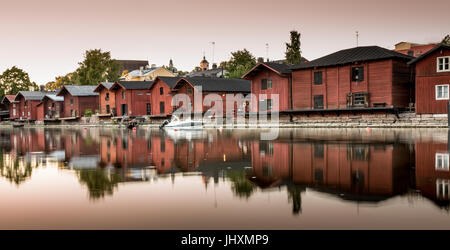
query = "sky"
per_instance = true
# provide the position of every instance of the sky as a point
(48, 38)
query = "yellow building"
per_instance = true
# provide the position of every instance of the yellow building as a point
(146, 74)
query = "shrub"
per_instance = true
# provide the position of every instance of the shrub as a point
(88, 113)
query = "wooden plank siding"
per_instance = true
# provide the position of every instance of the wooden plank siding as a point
(79, 104)
(157, 98)
(135, 99)
(280, 86)
(427, 78)
(386, 81)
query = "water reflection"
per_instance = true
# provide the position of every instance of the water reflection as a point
(352, 166)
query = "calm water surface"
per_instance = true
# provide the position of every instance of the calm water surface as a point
(229, 179)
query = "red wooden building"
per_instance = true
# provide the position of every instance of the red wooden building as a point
(132, 98)
(11, 106)
(27, 102)
(363, 78)
(50, 107)
(271, 78)
(161, 97)
(432, 72)
(220, 86)
(78, 99)
(107, 98)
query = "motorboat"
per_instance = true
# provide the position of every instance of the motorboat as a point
(176, 123)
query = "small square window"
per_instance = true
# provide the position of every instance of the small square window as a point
(443, 64)
(442, 92)
(358, 74)
(318, 78)
(442, 162)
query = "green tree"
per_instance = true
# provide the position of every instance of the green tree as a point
(96, 67)
(240, 63)
(446, 40)
(14, 80)
(293, 53)
(59, 82)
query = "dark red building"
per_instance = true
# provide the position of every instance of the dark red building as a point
(107, 98)
(219, 86)
(50, 107)
(78, 99)
(27, 102)
(161, 97)
(358, 78)
(432, 72)
(10, 105)
(271, 78)
(132, 98)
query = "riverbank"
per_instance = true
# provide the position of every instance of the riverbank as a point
(401, 120)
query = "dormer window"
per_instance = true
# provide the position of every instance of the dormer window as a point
(443, 64)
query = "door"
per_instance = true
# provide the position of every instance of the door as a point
(318, 102)
(161, 108)
(149, 110)
(124, 110)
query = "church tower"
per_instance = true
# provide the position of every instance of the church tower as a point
(204, 64)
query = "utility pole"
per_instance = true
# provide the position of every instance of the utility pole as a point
(357, 38)
(267, 51)
(213, 48)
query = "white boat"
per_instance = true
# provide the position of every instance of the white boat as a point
(176, 123)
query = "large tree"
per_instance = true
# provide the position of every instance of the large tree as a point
(96, 67)
(293, 53)
(446, 40)
(14, 80)
(59, 82)
(241, 61)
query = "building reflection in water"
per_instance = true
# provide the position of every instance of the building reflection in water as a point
(366, 170)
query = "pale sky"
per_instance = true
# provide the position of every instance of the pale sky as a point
(47, 38)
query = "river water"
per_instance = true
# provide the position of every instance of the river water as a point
(97, 178)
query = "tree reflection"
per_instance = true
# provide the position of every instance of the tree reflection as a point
(241, 187)
(99, 182)
(15, 170)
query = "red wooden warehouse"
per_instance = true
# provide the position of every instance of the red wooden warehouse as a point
(132, 98)
(363, 78)
(107, 98)
(11, 106)
(219, 86)
(271, 78)
(432, 72)
(78, 99)
(50, 107)
(27, 102)
(161, 97)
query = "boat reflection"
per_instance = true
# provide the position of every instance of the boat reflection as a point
(367, 170)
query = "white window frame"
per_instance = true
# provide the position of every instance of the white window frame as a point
(437, 92)
(442, 162)
(442, 184)
(443, 64)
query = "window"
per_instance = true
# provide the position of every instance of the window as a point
(149, 110)
(161, 108)
(318, 150)
(139, 93)
(266, 84)
(318, 102)
(410, 53)
(71, 102)
(161, 91)
(442, 188)
(123, 95)
(265, 105)
(107, 97)
(442, 162)
(148, 93)
(318, 78)
(189, 91)
(265, 147)
(108, 109)
(358, 152)
(442, 92)
(359, 99)
(358, 74)
(443, 64)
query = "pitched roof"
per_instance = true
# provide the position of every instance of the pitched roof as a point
(208, 73)
(357, 54)
(130, 65)
(438, 47)
(279, 68)
(169, 80)
(79, 90)
(132, 84)
(54, 97)
(106, 85)
(9, 98)
(32, 95)
(218, 84)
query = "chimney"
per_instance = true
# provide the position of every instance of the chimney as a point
(141, 69)
(214, 66)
